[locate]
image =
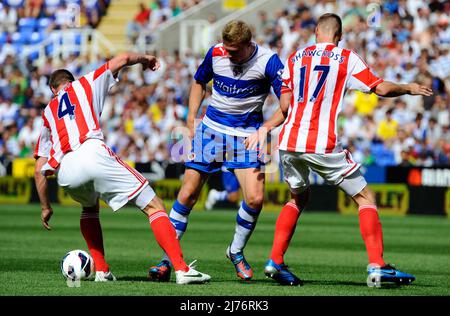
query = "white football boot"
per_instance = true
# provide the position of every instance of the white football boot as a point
(192, 276)
(101, 276)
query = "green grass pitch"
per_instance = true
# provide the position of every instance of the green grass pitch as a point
(327, 252)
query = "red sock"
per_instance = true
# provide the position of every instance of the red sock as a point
(372, 233)
(284, 229)
(92, 233)
(167, 239)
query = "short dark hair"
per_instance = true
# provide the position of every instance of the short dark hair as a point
(60, 76)
(325, 18)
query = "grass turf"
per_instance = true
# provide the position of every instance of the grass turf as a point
(327, 252)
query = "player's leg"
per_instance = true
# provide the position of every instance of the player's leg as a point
(75, 177)
(191, 188)
(286, 224)
(340, 169)
(196, 174)
(92, 233)
(372, 233)
(296, 175)
(167, 239)
(118, 183)
(252, 183)
(369, 222)
(179, 215)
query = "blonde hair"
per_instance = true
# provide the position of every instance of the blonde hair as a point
(236, 32)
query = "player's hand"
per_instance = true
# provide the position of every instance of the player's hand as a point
(150, 62)
(417, 89)
(259, 137)
(46, 214)
(190, 124)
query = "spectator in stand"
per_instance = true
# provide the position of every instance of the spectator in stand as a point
(139, 22)
(387, 128)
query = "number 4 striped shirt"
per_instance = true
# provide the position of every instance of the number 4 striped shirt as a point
(318, 77)
(73, 116)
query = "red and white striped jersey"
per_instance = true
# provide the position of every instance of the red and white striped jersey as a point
(73, 115)
(318, 76)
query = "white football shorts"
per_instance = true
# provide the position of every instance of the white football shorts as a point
(335, 168)
(93, 171)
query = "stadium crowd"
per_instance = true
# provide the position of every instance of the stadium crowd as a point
(148, 18)
(402, 40)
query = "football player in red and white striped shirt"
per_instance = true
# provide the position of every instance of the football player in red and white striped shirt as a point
(71, 145)
(315, 79)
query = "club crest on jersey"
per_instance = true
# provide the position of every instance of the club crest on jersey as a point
(237, 70)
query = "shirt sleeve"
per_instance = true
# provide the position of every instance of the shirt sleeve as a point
(44, 143)
(274, 70)
(361, 77)
(205, 71)
(101, 81)
(286, 82)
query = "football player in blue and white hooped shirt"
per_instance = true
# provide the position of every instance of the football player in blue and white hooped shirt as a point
(243, 74)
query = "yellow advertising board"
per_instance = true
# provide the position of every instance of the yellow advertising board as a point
(392, 199)
(23, 168)
(15, 190)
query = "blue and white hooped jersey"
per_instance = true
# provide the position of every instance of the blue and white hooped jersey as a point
(239, 90)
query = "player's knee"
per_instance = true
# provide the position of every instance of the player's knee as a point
(255, 201)
(301, 199)
(187, 197)
(155, 205)
(365, 197)
(91, 209)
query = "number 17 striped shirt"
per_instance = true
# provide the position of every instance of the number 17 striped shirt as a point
(318, 77)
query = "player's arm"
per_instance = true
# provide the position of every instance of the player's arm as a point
(203, 75)
(196, 96)
(130, 59)
(42, 190)
(285, 101)
(391, 89)
(362, 78)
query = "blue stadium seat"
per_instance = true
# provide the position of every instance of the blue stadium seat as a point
(15, 3)
(3, 38)
(19, 38)
(27, 24)
(49, 49)
(35, 38)
(44, 23)
(33, 55)
(78, 39)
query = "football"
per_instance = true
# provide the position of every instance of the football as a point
(77, 265)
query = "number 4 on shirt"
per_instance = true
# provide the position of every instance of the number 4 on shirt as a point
(65, 107)
(325, 69)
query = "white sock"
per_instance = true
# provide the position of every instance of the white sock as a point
(245, 224)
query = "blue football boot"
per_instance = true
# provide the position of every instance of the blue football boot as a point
(387, 274)
(243, 269)
(160, 272)
(281, 274)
